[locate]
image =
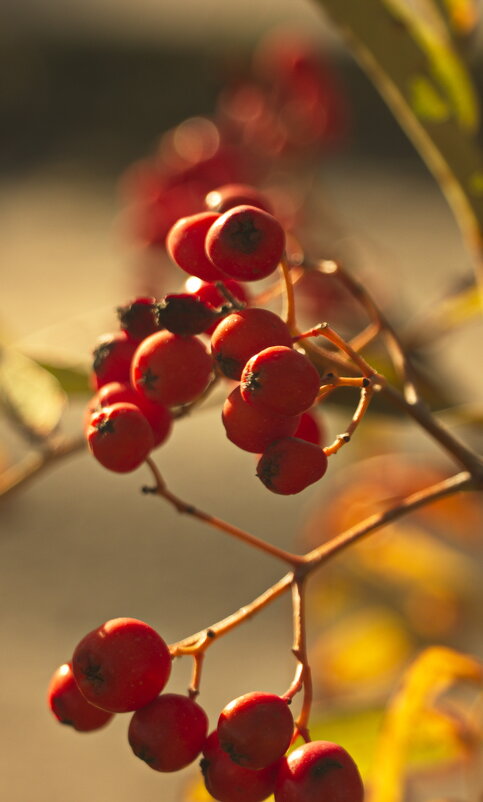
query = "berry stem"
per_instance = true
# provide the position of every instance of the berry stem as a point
(200, 641)
(395, 349)
(366, 336)
(160, 489)
(186, 409)
(331, 382)
(409, 400)
(289, 296)
(367, 391)
(324, 330)
(233, 302)
(299, 649)
(194, 687)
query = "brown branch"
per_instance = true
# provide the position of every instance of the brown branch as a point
(454, 484)
(379, 322)
(181, 506)
(16, 476)
(200, 641)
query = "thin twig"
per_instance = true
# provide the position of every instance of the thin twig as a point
(16, 476)
(300, 651)
(447, 487)
(181, 506)
(200, 641)
(379, 322)
(342, 439)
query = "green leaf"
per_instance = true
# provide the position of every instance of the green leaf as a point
(451, 78)
(29, 395)
(73, 380)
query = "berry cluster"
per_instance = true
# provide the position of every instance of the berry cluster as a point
(123, 666)
(197, 202)
(158, 363)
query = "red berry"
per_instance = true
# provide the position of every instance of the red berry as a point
(280, 379)
(319, 771)
(112, 358)
(69, 706)
(230, 195)
(211, 294)
(169, 732)
(186, 246)
(158, 415)
(244, 333)
(309, 429)
(170, 368)
(246, 243)
(122, 665)
(289, 465)
(252, 428)
(227, 782)
(185, 313)
(255, 730)
(120, 437)
(138, 318)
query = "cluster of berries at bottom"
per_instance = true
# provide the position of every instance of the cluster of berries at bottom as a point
(158, 362)
(123, 666)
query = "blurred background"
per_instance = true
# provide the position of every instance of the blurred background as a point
(86, 88)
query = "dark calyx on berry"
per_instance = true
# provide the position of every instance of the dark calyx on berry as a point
(243, 235)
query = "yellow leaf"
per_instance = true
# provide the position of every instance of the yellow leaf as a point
(463, 15)
(426, 101)
(362, 653)
(406, 555)
(429, 675)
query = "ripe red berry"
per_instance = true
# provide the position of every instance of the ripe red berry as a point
(255, 730)
(252, 428)
(185, 313)
(289, 465)
(120, 437)
(122, 665)
(280, 379)
(246, 243)
(158, 415)
(68, 704)
(310, 429)
(169, 732)
(230, 195)
(186, 246)
(138, 318)
(244, 333)
(211, 294)
(227, 782)
(319, 771)
(170, 368)
(112, 359)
